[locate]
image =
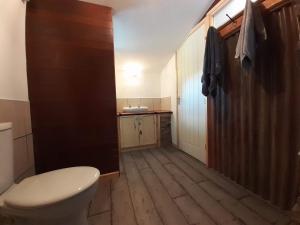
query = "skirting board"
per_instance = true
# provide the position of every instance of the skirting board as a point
(110, 176)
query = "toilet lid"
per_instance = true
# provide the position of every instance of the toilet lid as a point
(48, 188)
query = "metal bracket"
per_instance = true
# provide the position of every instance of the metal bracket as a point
(232, 20)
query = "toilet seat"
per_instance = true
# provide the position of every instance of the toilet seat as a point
(51, 187)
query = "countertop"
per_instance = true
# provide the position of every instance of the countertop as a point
(145, 113)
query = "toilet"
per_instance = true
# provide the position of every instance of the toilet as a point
(59, 197)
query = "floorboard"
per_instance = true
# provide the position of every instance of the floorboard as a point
(235, 190)
(242, 212)
(139, 160)
(173, 188)
(168, 187)
(102, 201)
(210, 206)
(121, 166)
(166, 207)
(122, 208)
(189, 171)
(144, 208)
(101, 219)
(233, 205)
(193, 212)
(262, 208)
(160, 156)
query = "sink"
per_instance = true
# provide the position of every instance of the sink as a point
(136, 109)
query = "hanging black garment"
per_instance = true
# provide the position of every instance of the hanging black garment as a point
(213, 62)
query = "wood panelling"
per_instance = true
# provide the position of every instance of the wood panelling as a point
(192, 104)
(70, 60)
(254, 121)
(264, 5)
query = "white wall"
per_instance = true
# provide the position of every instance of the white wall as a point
(13, 76)
(169, 88)
(146, 86)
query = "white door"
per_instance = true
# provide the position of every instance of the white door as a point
(192, 105)
(147, 130)
(129, 132)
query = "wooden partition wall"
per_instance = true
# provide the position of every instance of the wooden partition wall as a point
(254, 121)
(70, 60)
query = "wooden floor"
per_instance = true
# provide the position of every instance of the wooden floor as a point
(168, 187)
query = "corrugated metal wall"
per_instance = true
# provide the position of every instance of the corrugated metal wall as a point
(254, 122)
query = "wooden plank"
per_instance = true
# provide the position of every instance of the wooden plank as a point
(215, 191)
(190, 171)
(235, 190)
(233, 205)
(173, 188)
(139, 160)
(230, 28)
(102, 201)
(145, 211)
(210, 206)
(263, 209)
(161, 157)
(243, 213)
(192, 212)
(271, 4)
(121, 165)
(122, 208)
(101, 219)
(166, 208)
(284, 221)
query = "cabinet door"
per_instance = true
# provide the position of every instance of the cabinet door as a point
(147, 132)
(129, 132)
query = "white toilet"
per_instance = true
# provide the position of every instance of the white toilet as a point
(60, 197)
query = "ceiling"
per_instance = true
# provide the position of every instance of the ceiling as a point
(148, 32)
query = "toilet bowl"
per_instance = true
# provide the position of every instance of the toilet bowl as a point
(59, 197)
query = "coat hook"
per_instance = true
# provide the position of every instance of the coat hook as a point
(232, 20)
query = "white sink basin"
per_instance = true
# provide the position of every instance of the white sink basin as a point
(139, 109)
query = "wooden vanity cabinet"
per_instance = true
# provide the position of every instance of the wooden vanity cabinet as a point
(138, 131)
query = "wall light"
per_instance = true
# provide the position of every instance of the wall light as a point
(132, 73)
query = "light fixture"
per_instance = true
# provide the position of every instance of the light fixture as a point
(133, 70)
(132, 73)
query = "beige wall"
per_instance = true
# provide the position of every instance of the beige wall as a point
(14, 105)
(169, 93)
(147, 86)
(13, 78)
(18, 112)
(152, 103)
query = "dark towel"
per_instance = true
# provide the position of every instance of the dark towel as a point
(213, 62)
(252, 32)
